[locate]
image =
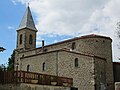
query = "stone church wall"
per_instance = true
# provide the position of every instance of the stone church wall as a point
(62, 63)
(100, 47)
(82, 75)
(36, 63)
(100, 74)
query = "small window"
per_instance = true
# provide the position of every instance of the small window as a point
(76, 62)
(44, 66)
(30, 39)
(16, 67)
(21, 39)
(45, 50)
(28, 68)
(96, 40)
(22, 55)
(73, 45)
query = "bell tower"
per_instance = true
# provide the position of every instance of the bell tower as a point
(26, 33)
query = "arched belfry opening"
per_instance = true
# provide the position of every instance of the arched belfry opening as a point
(28, 68)
(30, 39)
(21, 39)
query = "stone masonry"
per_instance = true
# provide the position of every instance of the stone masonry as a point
(31, 87)
(86, 59)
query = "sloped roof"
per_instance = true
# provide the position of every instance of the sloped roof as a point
(82, 37)
(65, 50)
(116, 63)
(27, 21)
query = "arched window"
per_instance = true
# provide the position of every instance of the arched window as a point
(17, 67)
(30, 39)
(28, 68)
(73, 45)
(21, 39)
(22, 55)
(76, 62)
(44, 66)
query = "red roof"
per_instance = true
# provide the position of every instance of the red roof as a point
(82, 37)
(116, 62)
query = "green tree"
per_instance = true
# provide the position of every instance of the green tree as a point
(118, 30)
(2, 67)
(11, 60)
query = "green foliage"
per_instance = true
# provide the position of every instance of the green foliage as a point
(2, 67)
(10, 66)
(11, 60)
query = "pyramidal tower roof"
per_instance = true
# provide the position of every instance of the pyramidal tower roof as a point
(27, 21)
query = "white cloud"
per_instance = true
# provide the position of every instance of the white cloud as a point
(55, 41)
(14, 2)
(77, 17)
(39, 42)
(10, 27)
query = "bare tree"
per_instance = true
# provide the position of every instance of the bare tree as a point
(118, 35)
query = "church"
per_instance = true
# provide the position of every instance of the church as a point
(87, 60)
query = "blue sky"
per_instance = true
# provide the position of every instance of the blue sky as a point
(10, 16)
(58, 20)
